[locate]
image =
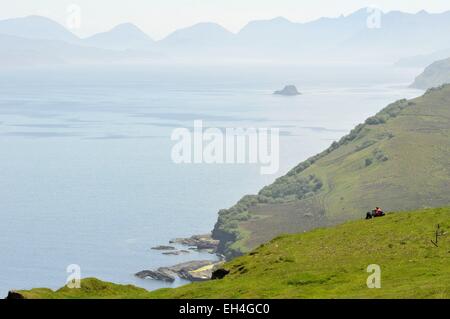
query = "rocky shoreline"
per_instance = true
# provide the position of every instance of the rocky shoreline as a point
(200, 242)
(196, 270)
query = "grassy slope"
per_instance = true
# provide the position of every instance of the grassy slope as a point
(91, 288)
(399, 160)
(324, 263)
(434, 75)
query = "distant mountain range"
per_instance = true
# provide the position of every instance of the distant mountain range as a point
(38, 28)
(123, 37)
(345, 38)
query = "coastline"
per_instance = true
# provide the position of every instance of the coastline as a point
(194, 270)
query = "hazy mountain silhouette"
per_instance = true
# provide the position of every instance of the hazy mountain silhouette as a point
(202, 39)
(340, 39)
(401, 34)
(18, 51)
(423, 60)
(122, 37)
(287, 38)
(36, 27)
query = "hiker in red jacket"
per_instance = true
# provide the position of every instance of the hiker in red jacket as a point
(378, 212)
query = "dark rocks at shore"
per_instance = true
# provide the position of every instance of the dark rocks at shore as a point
(156, 275)
(162, 247)
(200, 242)
(289, 90)
(197, 270)
(171, 253)
(176, 252)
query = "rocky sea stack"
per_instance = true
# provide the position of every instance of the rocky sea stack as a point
(289, 90)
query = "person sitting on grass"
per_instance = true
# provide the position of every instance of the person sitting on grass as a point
(377, 212)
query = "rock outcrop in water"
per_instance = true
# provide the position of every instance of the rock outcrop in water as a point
(159, 274)
(162, 247)
(289, 90)
(176, 252)
(200, 242)
(197, 270)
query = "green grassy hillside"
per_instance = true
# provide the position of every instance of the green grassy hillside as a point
(434, 75)
(324, 263)
(398, 159)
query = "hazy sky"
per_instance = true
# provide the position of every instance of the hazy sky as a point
(160, 17)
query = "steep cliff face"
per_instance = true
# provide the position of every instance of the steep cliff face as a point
(398, 159)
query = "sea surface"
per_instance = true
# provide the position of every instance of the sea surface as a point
(86, 175)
